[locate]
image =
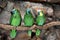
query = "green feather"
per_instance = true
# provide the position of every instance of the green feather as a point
(38, 32)
(29, 33)
(13, 33)
(40, 20)
(28, 19)
(15, 18)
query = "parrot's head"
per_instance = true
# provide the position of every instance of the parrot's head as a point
(28, 11)
(40, 12)
(14, 11)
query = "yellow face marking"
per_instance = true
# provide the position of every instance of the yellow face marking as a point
(41, 14)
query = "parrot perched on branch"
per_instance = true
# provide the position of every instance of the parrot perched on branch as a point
(28, 18)
(15, 21)
(40, 20)
(15, 18)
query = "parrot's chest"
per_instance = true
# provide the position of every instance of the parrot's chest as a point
(28, 20)
(40, 20)
(15, 21)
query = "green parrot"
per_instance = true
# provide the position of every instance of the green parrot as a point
(28, 18)
(15, 21)
(38, 32)
(40, 20)
(15, 18)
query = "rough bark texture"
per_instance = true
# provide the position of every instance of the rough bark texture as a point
(46, 26)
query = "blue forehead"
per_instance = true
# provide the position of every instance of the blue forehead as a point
(28, 10)
(13, 10)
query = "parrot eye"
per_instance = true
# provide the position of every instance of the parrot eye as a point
(28, 10)
(11, 12)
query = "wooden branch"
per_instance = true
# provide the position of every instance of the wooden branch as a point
(51, 24)
(46, 26)
(9, 27)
